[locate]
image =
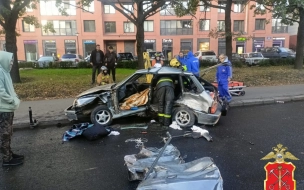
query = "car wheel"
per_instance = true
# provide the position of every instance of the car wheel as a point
(183, 116)
(101, 115)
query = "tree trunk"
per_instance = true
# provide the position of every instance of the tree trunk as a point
(228, 29)
(11, 46)
(300, 41)
(140, 35)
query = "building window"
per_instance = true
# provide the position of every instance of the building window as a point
(128, 27)
(167, 10)
(61, 27)
(109, 9)
(110, 27)
(176, 27)
(238, 8)
(223, 9)
(203, 7)
(221, 25)
(89, 8)
(146, 5)
(28, 27)
(128, 8)
(204, 25)
(238, 26)
(260, 24)
(149, 26)
(49, 7)
(278, 26)
(89, 25)
(260, 6)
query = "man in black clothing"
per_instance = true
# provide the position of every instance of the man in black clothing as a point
(165, 97)
(111, 61)
(96, 60)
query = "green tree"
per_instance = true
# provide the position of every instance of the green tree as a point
(290, 11)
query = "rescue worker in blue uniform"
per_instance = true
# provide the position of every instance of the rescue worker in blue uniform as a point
(165, 98)
(223, 77)
(192, 64)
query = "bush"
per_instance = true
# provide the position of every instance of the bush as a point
(127, 64)
(277, 62)
(238, 64)
(26, 65)
(83, 64)
(206, 63)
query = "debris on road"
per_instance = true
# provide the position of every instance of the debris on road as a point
(280, 102)
(201, 133)
(175, 126)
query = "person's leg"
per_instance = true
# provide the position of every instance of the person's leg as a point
(113, 74)
(6, 130)
(93, 74)
(226, 93)
(160, 95)
(220, 90)
(169, 105)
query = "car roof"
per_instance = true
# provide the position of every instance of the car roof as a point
(163, 70)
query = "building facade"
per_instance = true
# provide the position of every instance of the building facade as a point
(102, 24)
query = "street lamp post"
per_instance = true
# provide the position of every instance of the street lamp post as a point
(77, 43)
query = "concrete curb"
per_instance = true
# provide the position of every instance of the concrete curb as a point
(239, 103)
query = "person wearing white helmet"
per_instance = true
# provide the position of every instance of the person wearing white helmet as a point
(103, 77)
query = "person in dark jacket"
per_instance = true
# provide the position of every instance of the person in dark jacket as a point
(111, 62)
(165, 97)
(223, 77)
(96, 60)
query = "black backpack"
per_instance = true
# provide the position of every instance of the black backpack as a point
(95, 132)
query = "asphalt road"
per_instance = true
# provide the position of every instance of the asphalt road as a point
(241, 139)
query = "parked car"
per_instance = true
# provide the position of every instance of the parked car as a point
(45, 61)
(87, 58)
(196, 102)
(152, 55)
(254, 58)
(278, 52)
(206, 55)
(127, 56)
(237, 57)
(74, 58)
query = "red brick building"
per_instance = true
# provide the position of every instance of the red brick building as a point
(81, 30)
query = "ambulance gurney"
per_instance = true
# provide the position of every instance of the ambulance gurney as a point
(236, 88)
(164, 169)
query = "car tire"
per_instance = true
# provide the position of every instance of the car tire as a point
(183, 116)
(101, 115)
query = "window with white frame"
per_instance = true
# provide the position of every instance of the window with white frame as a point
(260, 24)
(29, 8)
(204, 25)
(128, 8)
(48, 7)
(89, 8)
(176, 27)
(110, 27)
(238, 8)
(149, 26)
(203, 7)
(278, 26)
(167, 9)
(146, 5)
(61, 27)
(223, 9)
(27, 27)
(221, 25)
(128, 27)
(109, 9)
(89, 25)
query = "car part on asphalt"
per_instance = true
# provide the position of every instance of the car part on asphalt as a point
(33, 123)
(164, 169)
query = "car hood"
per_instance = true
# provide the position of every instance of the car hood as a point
(96, 90)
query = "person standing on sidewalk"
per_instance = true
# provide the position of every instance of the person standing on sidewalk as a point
(223, 77)
(96, 60)
(111, 62)
(9, 102)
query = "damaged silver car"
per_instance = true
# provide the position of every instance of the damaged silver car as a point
(196, 100)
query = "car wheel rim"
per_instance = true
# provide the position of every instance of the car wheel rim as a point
(182, 118)
(103, 117)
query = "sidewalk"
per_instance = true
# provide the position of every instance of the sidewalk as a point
(51, 112)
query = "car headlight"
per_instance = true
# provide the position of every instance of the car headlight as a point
(83, 101)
